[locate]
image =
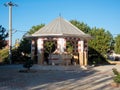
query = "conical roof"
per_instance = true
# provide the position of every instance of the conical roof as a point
(60, 27)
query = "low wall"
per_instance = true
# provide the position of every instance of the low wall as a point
(114, 62)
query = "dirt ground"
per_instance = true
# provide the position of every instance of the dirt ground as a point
(57, 78)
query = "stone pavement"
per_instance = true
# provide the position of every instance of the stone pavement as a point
(57, 78)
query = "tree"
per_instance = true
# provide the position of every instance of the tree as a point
(117, 44)
(49, 47)
(4, 55)
(3, 36)
(35, 28)
(81, 25)
(25, 44)
(99, 45)
(101, 41)
(23, 48)
(69, 47)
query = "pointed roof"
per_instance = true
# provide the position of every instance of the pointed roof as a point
(60, 27)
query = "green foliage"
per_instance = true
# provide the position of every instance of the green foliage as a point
(115, 71)
(99, 45)
(4, 56)
(3, 36)
(17, 57)
(35, 28)
(69, 47)
(28, 64)
(101, 41)
(81, 25)
(116, 78)
(25, 46)
(21, 53)
(49, 47)
(117, 44)
(112, 44)
(95, 57)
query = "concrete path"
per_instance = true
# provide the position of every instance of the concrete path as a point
(57, 78)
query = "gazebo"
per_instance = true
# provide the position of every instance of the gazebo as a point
(60, 31)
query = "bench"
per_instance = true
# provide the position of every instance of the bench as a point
(60, 59)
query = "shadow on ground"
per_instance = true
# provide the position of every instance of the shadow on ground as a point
(11, 79)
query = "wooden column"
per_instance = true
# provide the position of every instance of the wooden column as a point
(40, 50)
(81, 58)
(61, 45)
(86, 53)
(81, 53)
(85, 59)
(32, 49)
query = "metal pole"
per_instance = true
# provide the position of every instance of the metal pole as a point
(10, 4)
(10, 33)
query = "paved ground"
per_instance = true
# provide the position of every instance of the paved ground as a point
(57, 78)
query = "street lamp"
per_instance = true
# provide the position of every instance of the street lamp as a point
(10, 4)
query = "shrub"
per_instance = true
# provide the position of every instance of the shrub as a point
(4, 55)
(17, 57)
(28, 64)
(116, 78)
(115, 71)
(96, 59)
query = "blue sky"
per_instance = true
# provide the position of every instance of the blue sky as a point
(99, 13)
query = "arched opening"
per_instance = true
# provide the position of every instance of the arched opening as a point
(69, 47)
(72, 48)
(49, 47)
